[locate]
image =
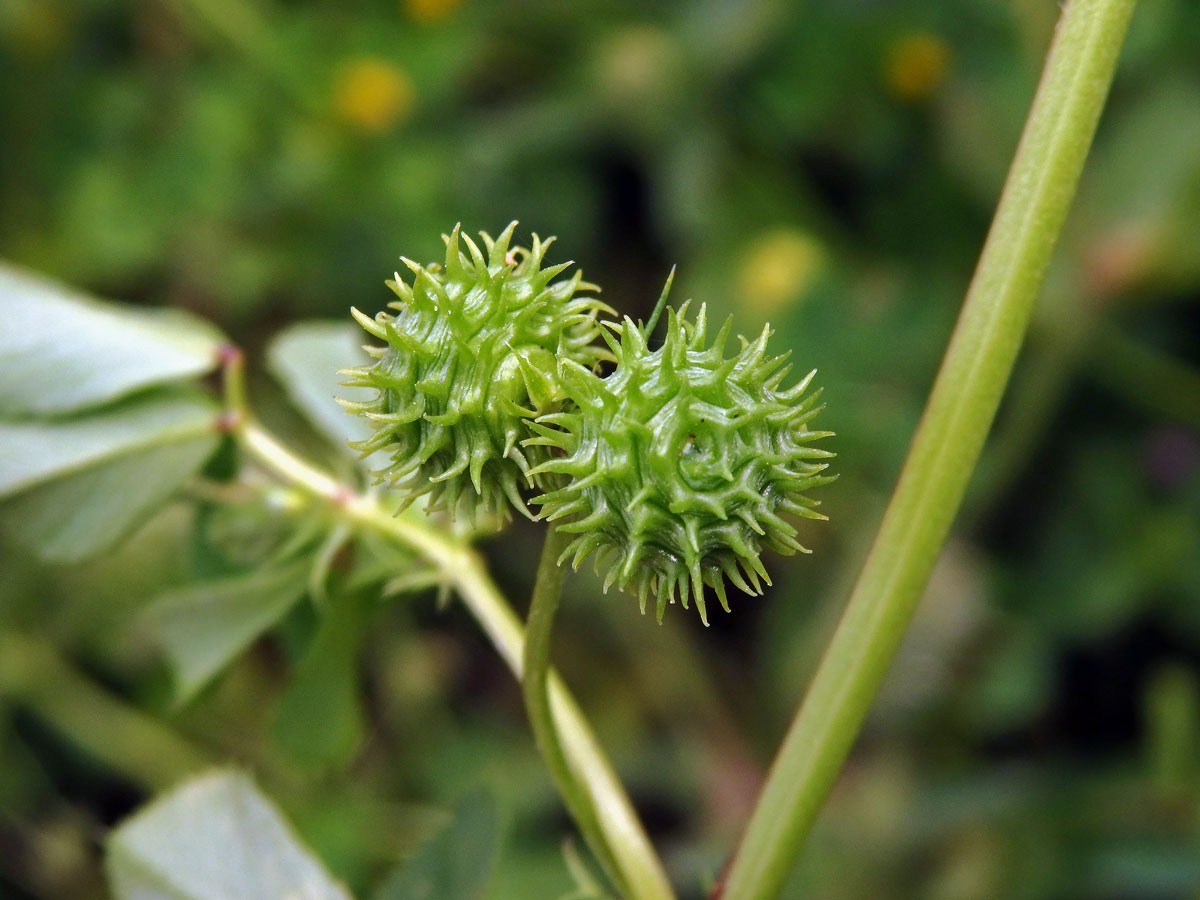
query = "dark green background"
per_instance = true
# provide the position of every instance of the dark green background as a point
(829, 166)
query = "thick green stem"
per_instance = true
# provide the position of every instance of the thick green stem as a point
(622, 829)
(968, 389)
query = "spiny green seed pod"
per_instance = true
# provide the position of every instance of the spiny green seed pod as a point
(679, 464)
(470, 358)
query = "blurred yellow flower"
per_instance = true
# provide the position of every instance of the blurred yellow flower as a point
(372, 94)
(916, 65)
(778, 268)
(429, 11)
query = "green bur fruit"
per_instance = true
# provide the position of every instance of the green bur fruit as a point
(470, 359)
(675, 469)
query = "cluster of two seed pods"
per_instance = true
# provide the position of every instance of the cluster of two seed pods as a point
(672, 467)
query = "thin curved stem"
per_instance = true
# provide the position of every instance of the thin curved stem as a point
(539, 626)
(635, 858)
(974, 372)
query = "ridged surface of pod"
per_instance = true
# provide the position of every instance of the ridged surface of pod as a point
(470, 357)
(677, 469)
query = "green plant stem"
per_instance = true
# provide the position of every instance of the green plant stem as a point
(1038, 390)
(631, 849)
(137, 745)
(543, 607)
(539, 626)
(944, 451)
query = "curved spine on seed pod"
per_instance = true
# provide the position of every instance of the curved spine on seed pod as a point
(677, 468)
(469, 359)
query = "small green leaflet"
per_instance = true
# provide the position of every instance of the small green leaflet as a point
(204, 626)
(320, 720)
(455, 865)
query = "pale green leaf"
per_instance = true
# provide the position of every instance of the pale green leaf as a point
(455, 865)
(305, 359)
(81, 515)
(61, 351)
(204, 626)
(34, 452)
(214, 838)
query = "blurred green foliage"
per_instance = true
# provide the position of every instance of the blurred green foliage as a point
(829, 166)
